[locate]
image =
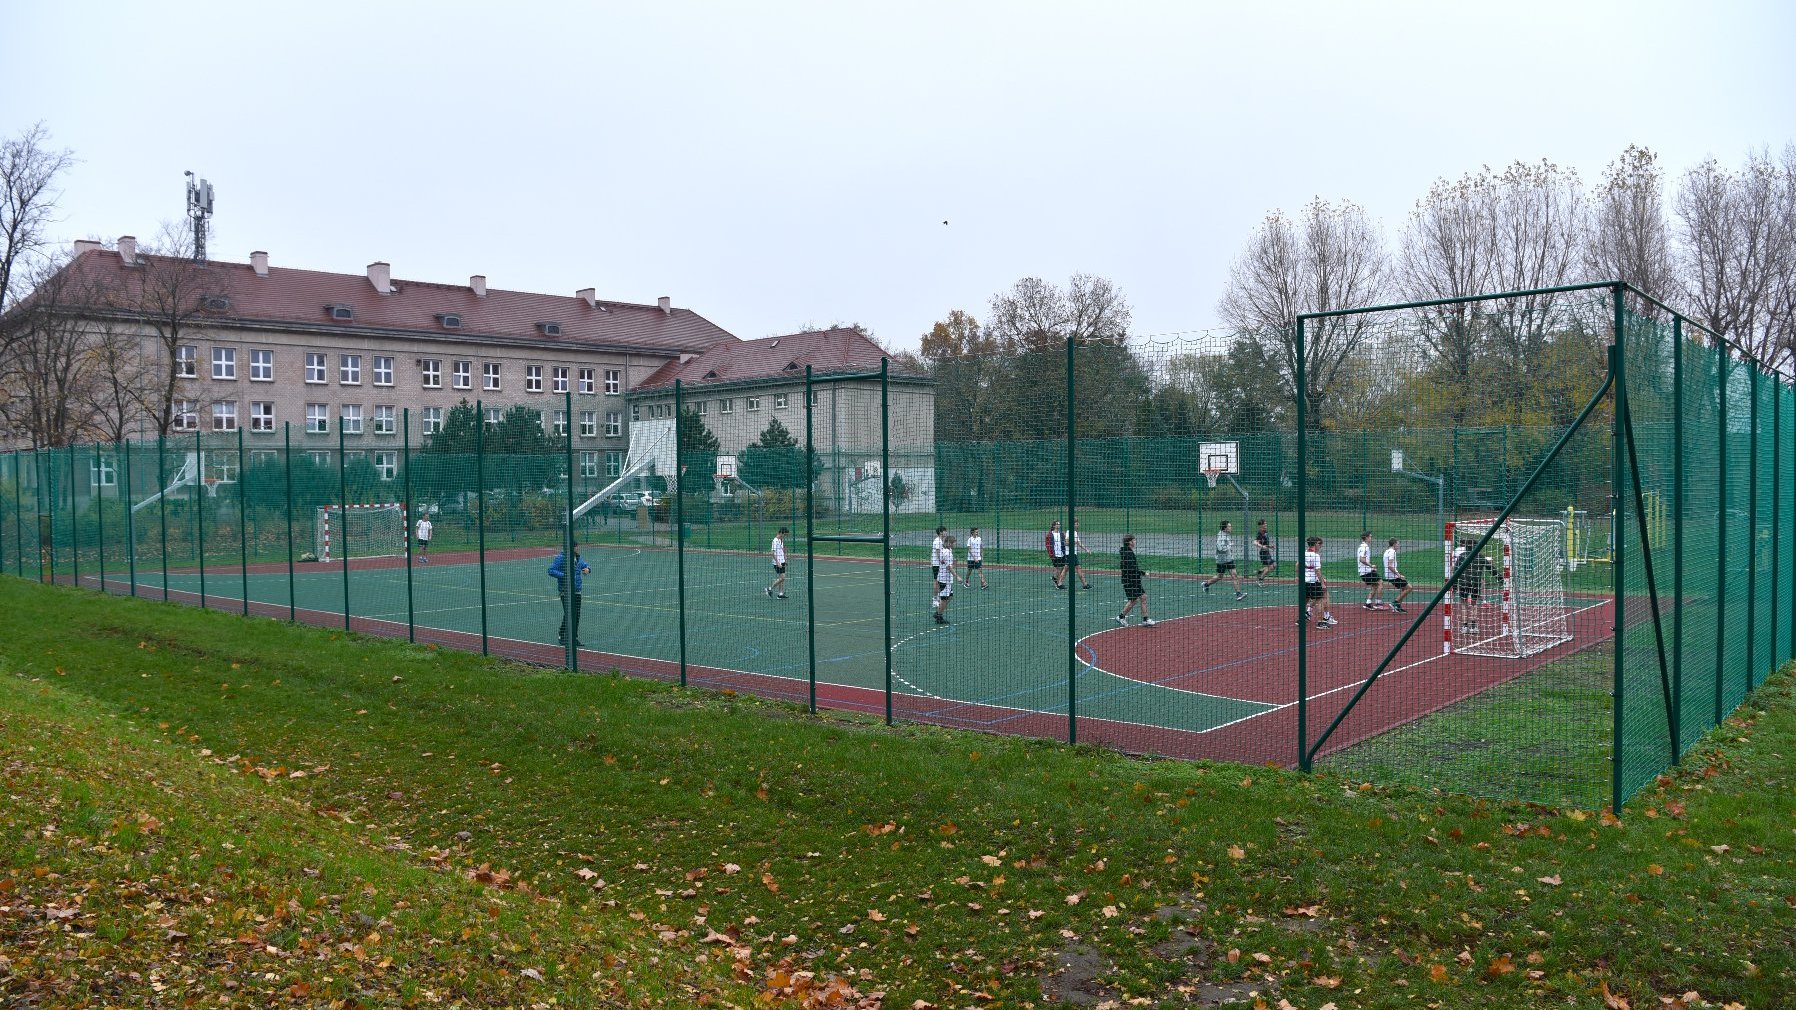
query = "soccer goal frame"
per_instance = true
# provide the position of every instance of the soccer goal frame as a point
(334, 517)
(1509, 601)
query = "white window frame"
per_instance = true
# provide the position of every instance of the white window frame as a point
(589, 464)
(614, 381)
(349, 370)
(224, 415)
(349, 415)
(635, 412)
(727, 405)
(187, 362)
(430, 373)
(702, 408)
(184, 415)
(533, 379)
(493, 416)
(779, 401)
(560, 429)
(318, 418)
(386, 419)
(462, 374)
(317, 368)
(558, 379)
(432, 420)
(587, 384)
(754, 403)
(102, 471)
(386, 464)
(261, 365)
(589, 424)
(383, 369)
(320, 457)
(258, 457)
(614, 463)
(489, 377)
(224, 363)
(614, 424)
(261, 415)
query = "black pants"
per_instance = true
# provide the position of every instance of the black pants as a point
(561, 635)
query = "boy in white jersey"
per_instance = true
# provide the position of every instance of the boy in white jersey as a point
(1314, 588)
(779, 564)
(424, 528)
(1393, 577)
(1225, 561)
(976, 557)
(944, 580)
(935, 553)
(1367, 573)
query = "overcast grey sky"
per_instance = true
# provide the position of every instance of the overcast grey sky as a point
(775, 164)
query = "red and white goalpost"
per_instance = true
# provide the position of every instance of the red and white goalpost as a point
(1511, 594)
(368, 531)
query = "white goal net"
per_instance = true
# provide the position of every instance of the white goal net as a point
(1510, 599)
(362, 531)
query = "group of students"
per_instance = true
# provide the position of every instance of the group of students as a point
(1315, 587)
(941, 568)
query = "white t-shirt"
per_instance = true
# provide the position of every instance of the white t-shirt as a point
(944, 573)
(1390, 564)
(975, 549)
(1059, 543)
(1225, 546)
(935, 551)
(1365, 558)
(1078, 543)
(779, 551)
(424, 529)
(1312, 566)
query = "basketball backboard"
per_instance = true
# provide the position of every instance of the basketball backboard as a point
(1221, 457)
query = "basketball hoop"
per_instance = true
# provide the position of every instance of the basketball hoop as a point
(1211, 476)
(211, 486)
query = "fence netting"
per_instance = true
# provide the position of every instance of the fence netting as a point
(1530, 545)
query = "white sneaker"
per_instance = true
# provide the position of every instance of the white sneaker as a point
(1240, 596)
(1122, 620)
(1147, 622)
(1329, 621)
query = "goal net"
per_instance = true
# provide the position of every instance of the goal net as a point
(362, 531)
(1510, 598)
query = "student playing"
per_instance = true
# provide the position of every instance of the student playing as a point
(935, 551)
(779, 564)
(424, 539)
(944, 580)
(1077, 548)
(1263, 540)
(1132, 575)
(975, 557)
(1314, 588)
(1056, 544)
(1367, 573)
(1393, 577)
(558, 570)
(1225, 561)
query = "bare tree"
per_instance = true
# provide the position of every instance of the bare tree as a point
(29, 168)
(1449, 251)
(47, 371)
(1629, 239)
(1333, 257)
(122, 375)
(1735, 246)
(167, 294)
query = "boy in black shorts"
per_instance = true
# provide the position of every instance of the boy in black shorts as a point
(1225, 562)
(1263, 540)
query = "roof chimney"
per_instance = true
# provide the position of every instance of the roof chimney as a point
(589, 296)
(381, 276)
(127, 249)
(478, 283)
(259, 260)
(86, 245)
(665, 304)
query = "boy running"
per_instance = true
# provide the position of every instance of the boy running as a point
(975, 557)
(1263, 540)
(1056, 544)
(1225, 561)
(1367, 573)
(1314, 588)
(779, 565)
(1393, 577)
(944, 580)
(424, 539)
(1131, 584)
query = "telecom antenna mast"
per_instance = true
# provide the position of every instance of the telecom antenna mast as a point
(199, 208)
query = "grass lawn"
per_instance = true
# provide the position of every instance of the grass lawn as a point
(205, 810)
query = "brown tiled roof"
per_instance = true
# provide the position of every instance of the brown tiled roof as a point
(826, 351)
(298, 297)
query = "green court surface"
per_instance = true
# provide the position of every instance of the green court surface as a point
(1001, 659)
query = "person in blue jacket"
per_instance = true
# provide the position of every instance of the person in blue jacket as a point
(558, 572)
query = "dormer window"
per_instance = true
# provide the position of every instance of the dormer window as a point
(550, 329)
(340, 312)
(217, 303)
(450, 321)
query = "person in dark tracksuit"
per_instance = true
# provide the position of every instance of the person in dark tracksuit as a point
(558, 570)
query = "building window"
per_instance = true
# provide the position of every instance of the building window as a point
(261, 366)
(559, 374)
(635, 411)
(614, 424)
(383, 370)
(352, 419)
(614, 464)
(814, 400)
(614, 381)
(586, 381)
(184, 415)
(102, 471)
(386, 464)
(314, 367)
(432, 371)
(726, 406)
(261, 416)
(433, 420)
(385, 419)
(779, 401)
(224, 362)
(493, 414)
(589, 423)
(318, 418)
(187, 360)
(320, 457)
(263, 457)
(703, 407)
(533, 379)
(560, 422)
(224, 416)
(221, 467)
(349, 370)
(754, 403)
(589, 464)
(489, 376)
(463, 375)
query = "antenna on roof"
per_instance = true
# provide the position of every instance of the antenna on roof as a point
(199, 208)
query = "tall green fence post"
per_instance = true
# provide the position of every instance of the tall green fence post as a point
(997, 504)
(1777, 479)
(1365, 479)
(1721, 535)
(1068, 542)
(162, 504)
(885, 498)
(480, 515)
(74, 523)
(130, 513)
(1677, 536)
(680, 526)
(287, 460)
(571, 567)
(343, 518)
(1303, 480)
(97, 473)
(1752, 522)
(407, 518)
(199, 510)
(18, 511)
(810, 549)
(1618, 531)
(243, 520)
